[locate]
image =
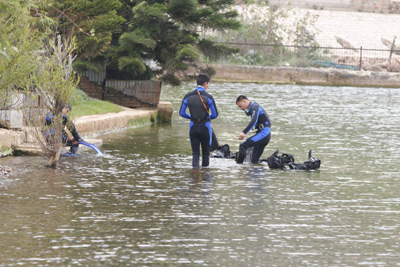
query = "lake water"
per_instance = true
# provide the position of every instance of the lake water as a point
(142, 204)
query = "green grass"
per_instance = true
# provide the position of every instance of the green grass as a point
(82, 105)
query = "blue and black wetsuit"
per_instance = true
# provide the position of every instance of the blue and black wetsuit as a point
(200, 122)
(261, 122)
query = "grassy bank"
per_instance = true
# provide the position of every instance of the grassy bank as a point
(82, 105)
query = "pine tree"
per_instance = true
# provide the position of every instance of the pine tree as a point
(167, 34)
(141, 39)
(144, 38)
(92, 23)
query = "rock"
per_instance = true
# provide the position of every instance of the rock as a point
(4, 172)
(377, 68)
(394, 66)
(344, 43)
(366, 66)
(395, 7)
(165, 111)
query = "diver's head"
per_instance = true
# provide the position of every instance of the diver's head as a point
(67, 108)
(203, 80)
(243, 102)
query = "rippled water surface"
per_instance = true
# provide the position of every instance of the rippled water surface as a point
(143, 205)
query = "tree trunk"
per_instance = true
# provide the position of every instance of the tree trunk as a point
(53, 160)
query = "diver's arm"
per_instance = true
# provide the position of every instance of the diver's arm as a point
(254, 118)
(74, 132)
(213, 107)
(182, 111)
(70, 129)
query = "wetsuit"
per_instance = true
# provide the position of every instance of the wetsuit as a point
(261, 122)
(70, 126)
(200, 131)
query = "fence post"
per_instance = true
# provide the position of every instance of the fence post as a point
(360, 67)
(391, 51)
(280, 57)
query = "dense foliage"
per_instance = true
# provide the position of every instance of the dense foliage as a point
(92, 23)
(140, 39)
(19, 43)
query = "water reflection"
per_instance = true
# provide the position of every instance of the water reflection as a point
(201, 175)
(143, 204)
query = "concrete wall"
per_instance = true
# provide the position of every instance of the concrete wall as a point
(96, 124)
(347, 5)
(11, 137)
(23, 142)
(314, 76)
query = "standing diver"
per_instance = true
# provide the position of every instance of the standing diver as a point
(200, 104)
(259, 121)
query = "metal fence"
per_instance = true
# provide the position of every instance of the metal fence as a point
(360, 58)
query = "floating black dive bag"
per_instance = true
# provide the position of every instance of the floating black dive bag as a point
(279, 162)
(223, 152)
(311, 164)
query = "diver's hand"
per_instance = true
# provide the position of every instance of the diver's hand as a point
(242, 135)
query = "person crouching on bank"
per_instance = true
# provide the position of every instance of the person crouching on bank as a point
(261, 122)
(70, 136)
(202, 110)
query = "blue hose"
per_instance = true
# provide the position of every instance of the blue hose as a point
(92, 147)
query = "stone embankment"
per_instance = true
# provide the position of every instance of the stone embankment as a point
(89, 126)
(96, 124)
(312, 76)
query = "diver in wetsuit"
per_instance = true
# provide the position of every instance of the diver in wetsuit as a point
(260, 121)
(70, 136)
(200, 104)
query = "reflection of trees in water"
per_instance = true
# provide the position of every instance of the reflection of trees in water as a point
(201, 175)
